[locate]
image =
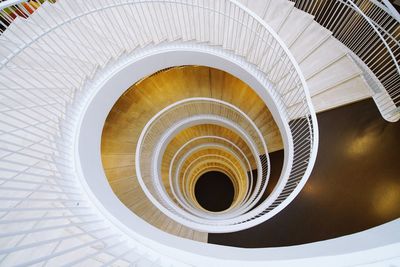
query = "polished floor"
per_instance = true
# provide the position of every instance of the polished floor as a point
(355, 184)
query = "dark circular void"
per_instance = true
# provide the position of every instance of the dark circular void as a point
(214, 191)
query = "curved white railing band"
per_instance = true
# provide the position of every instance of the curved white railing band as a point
(370, 30)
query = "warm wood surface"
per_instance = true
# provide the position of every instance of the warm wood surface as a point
(196, 131)
(143, 100)
(146, 98)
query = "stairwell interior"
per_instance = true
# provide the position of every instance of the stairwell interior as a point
(337, 59)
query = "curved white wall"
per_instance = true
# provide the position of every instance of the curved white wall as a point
(104, 95)
(380, 243)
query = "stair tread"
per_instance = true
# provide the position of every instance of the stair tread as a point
(334, 74)
(346, 93)
(330, 51)
(294, 26)
(258, 7)
(277, 12)
(312, 37)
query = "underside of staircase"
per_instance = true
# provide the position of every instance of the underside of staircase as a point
(143, 100)
(333, 78)
(48, 60)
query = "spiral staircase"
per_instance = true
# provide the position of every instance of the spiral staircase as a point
(111, 110)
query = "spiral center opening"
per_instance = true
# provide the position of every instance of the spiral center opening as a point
(214, 191)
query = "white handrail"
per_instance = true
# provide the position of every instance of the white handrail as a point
(275, 62)
(186, 107)
(369, 30)
(216, 140)
(64, 45)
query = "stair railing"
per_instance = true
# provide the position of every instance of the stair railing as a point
(72, 41)
(371, 31)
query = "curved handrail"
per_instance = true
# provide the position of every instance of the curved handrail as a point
(213, 160)
(276, 72)
(252, 194)
(216, 140)
(239, 180)
(43, 83)
(172, 115)
(370, 30)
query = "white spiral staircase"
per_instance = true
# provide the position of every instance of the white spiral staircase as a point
(65, 64)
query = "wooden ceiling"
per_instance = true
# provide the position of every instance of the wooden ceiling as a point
(144, 99)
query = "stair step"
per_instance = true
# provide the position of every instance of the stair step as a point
(187, 34)
(173, 28)
(164, 223)
(83, 56)
(348, 92)
(294, 26)
(113, 43)
(200, 236)
(155, 217)
(39, 46)
(329, 52)
(174, 228)
(186, 232)
(48, 16)
(277, 12)
(28, 79)
(257, 6)
(312, 37)
(336, 73)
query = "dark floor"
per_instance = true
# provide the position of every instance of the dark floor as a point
(214, 191)
(355, 184)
